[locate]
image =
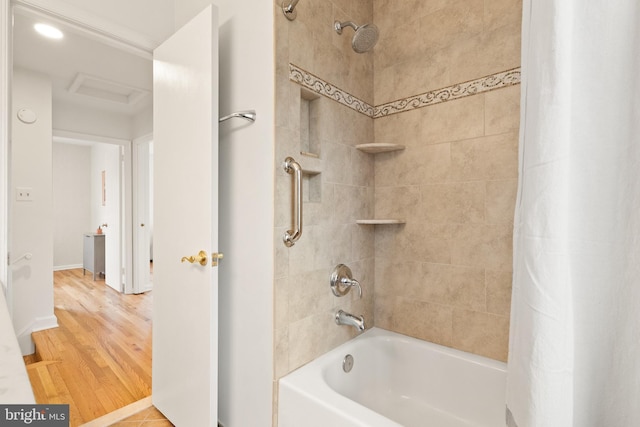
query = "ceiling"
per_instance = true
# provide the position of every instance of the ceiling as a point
(84, 72)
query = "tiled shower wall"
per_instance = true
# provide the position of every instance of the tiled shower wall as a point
(342, 192)
(445, 276)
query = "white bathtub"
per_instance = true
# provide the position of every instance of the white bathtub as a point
(395, 381)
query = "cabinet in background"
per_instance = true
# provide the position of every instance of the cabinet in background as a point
(93, 258)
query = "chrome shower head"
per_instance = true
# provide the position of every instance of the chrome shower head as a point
(365, 37)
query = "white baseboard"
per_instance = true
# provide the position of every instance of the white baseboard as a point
(38, 324)
(66, 267)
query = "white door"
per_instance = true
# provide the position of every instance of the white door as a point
(109, 159)
(185, 295)
(142, 224)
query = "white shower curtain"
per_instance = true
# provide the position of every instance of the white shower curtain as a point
(574, 356)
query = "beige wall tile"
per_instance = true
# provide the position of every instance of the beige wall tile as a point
(362, 169)
(500, 201)
(306, 254)
(281, 258)
(430, 322)
(452, 285)
(398, 278)
(308, 293)
(281, 352)
(332, 64)
(363, 239)
(421, 242)
(481, 333)
(443, 284)
(398, 202)
(340, 246)
(352, 203)
(486, 53)
(483, 245)
(317, 212)
(318, 16)
(384, 85)
(404, 128)
(452, 121)
(361, 65)
(502, 110)
(312, 336)
(388, 13)
(336, 163)
(458, 202)
(457, 20)
(499, 292)
(384, 311)
(326, 120)
(485, 158)
(415, 165)
(499, 13)
(301, 45)
(420, 74)
(356, 127)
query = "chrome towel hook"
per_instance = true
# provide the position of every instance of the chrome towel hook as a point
(249, 115)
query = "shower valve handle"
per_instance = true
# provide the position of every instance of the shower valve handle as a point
(342, 281)
(352, 283)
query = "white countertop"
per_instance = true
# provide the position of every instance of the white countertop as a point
(15, 387)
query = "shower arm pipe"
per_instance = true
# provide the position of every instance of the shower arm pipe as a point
(339, 26)
(289, 9)
(292, 236)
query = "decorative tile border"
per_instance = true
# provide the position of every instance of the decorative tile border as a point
(321, 87)
(473, 87)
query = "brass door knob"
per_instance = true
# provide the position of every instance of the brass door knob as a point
(201, 258)
(215, 257)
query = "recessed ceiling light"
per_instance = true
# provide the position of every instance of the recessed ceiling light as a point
(48, 31)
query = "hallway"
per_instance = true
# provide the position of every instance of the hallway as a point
(99, 359)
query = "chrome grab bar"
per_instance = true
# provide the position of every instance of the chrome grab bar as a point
(293, 167)
(249, 115)
(289, 10)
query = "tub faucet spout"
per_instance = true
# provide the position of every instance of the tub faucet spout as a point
(344, 318)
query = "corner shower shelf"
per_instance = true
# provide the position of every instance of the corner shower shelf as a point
(379, 147)
(380, 221)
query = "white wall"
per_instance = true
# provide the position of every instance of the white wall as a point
(246, 213)
(31, 222)
(142, 123)
(5, 125)
(71, 203)
(71, 118)
(106, 157)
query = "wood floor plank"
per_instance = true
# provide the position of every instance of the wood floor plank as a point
(99, 359)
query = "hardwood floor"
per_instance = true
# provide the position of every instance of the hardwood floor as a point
(99, 358)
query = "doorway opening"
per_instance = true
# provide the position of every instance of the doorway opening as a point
(100, 102)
